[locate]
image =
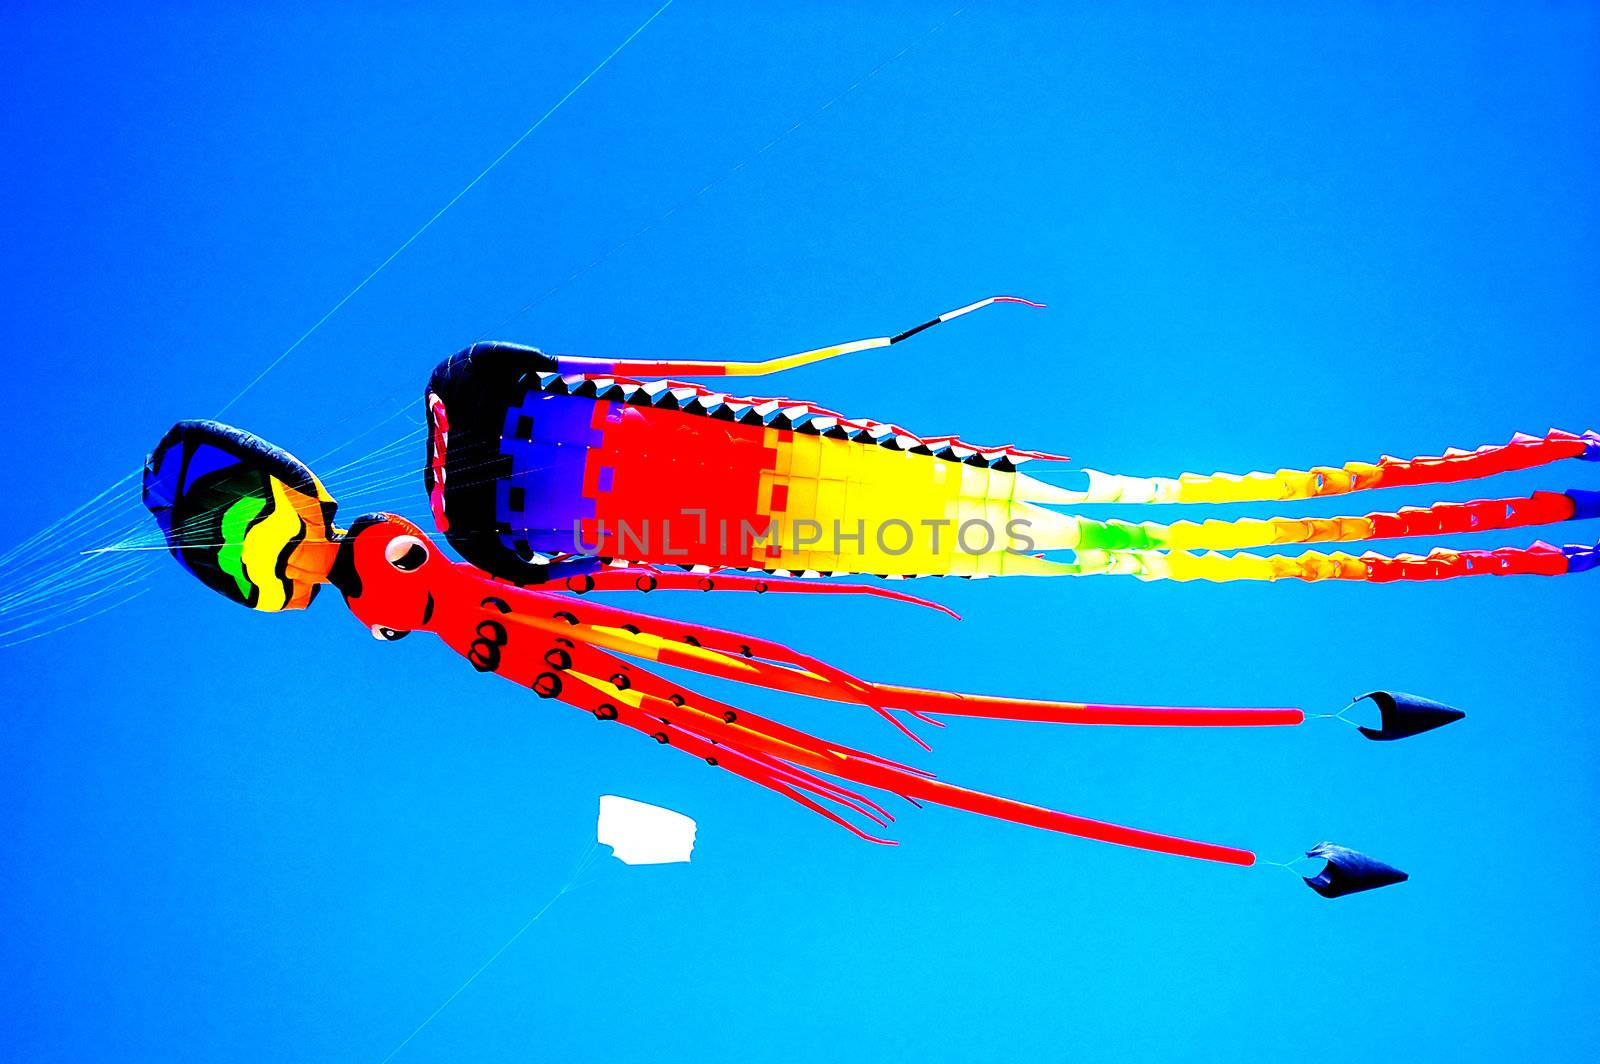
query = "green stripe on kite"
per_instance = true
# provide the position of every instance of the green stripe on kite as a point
(235, 522)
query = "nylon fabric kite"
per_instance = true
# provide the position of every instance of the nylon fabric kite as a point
(555, 477)
(536, 459)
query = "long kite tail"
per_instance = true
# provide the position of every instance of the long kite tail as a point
(994, 707)
(761, 663)
(1441, 563)
(795, 764)
(574, 651)
(596, 658)
(644, 367)
(1522, 452)
(1445, 518)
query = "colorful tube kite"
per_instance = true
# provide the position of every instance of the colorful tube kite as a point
(255, 525)
(539, 464)
(555, 476)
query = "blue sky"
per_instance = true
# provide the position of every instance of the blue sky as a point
(1266, 239)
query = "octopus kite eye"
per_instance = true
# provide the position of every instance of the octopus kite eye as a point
(406, 553)
(387, 634)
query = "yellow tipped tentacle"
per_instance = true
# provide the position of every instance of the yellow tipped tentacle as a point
(1455, 465)
(716, 368)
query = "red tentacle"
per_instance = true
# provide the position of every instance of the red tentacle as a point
(805, 675)
(659, 687)
(952, 704)
(1040, 817)
(815, 756)
(784, 781)
(553, 655)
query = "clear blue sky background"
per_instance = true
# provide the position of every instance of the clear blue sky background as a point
(1267, 239)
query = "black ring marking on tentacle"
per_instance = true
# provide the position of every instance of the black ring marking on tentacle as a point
(565, 615)
(605, 711)
(558, 659)
(547, 685)
(496, 603)
(484, 653)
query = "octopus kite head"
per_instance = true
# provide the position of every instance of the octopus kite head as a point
(387, 569)
(247, 518)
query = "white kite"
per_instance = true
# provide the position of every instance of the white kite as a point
(644, 834)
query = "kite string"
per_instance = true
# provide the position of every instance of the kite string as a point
(377, 482)
(773, 142)
(1288, 866)
(726, 174)
(468, 187)
(65, 624)
(473, 977)
(1339, 716)
(589, 854)
(45, 533)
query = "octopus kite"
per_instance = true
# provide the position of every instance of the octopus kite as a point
(554, 477)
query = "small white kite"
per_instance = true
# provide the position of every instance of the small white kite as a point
(641, 834)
